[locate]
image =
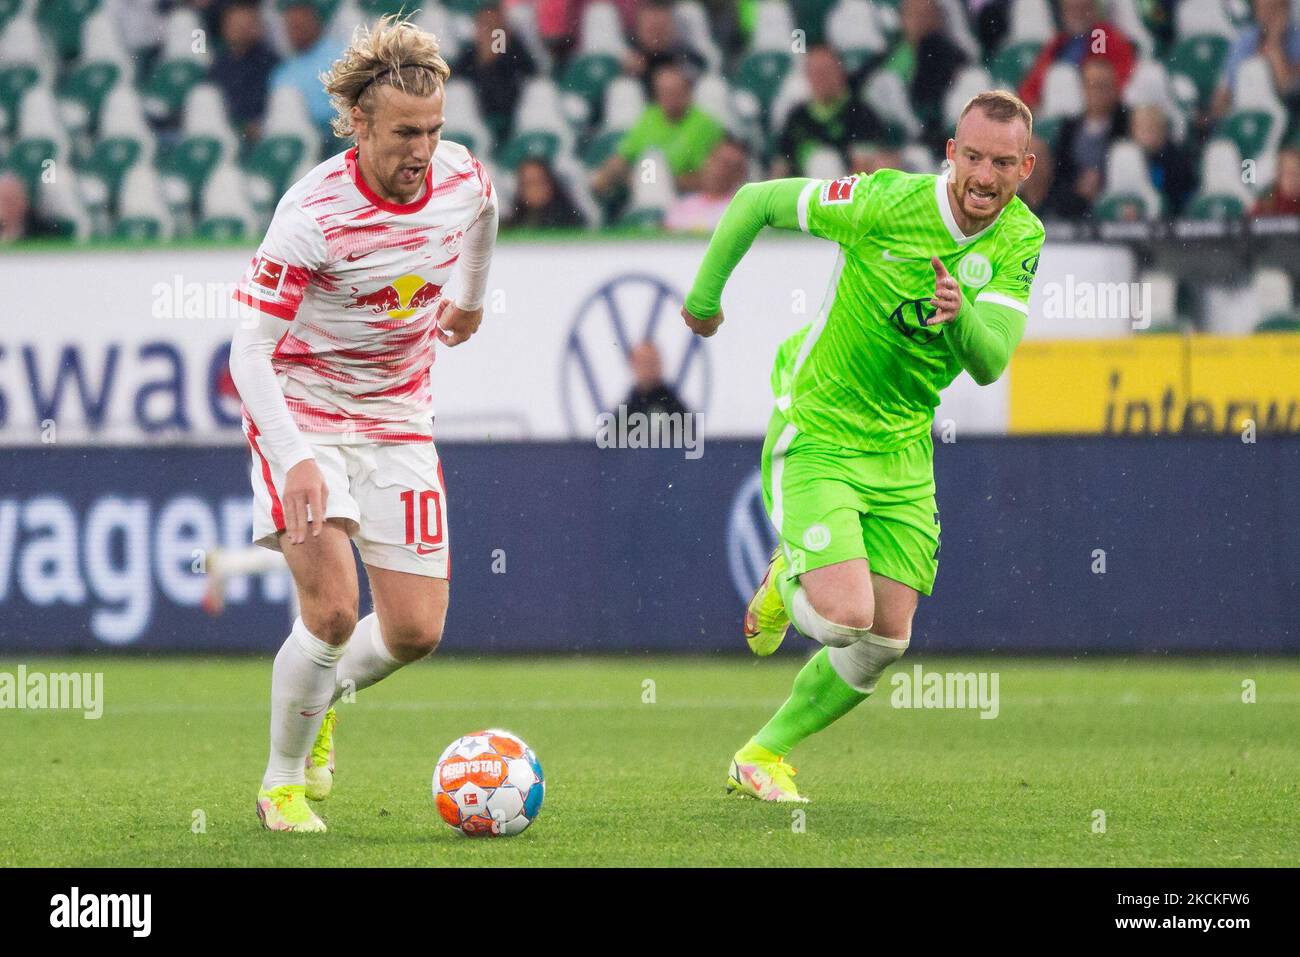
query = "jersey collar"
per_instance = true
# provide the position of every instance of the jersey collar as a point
(414, 206)
(945, 212)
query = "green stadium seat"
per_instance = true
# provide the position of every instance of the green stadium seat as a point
(27, 160)
(1199, 58)
(535, 144)
(601, 147)
(88, 85)
(467, 140)
(1215, 206)
(8, 8)
(192, 160)
(1011, 64)
(220, 228)
(1280, 322)
(63, 20)
(137, 229)
(1047, 130)
(762, 73)
(646, 219)
(373, 9)
(588, 75)
(1120, 208)
(810, 17)
(169, 84)
(275, 158)
(1249, 129)
(468, 7)
(15, 81)
(110, 161)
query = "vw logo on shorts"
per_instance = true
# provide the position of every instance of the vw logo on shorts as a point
(750, 537)
(622, 313)
(974, 271)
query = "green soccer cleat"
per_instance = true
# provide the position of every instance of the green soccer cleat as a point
(320, 760)
(285, 809)
(766, 619)
(757, 772)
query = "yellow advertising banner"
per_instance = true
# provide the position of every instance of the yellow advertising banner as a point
(1157, 385)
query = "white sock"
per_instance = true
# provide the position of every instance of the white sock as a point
(367, 660)
(812, 625)
(301, 684)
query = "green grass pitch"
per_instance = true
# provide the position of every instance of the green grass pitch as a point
(1185, 772)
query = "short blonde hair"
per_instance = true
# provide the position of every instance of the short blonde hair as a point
(395, 52)
(1001, 106)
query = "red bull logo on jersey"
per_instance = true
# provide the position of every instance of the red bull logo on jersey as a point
(400, 299)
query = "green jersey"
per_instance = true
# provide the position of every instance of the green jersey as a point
(867, 372)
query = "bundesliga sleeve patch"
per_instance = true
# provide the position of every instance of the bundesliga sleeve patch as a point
(268, 275)
(839, 191)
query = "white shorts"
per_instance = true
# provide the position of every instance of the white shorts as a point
(389, 496)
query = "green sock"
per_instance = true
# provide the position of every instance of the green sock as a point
(819, 698)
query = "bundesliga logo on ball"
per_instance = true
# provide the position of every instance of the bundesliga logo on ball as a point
(488, 783)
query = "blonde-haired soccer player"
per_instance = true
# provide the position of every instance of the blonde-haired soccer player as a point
(933, 278)
(374, 256)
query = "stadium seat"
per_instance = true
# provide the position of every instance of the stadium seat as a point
(182, 32)
(1199, 17)
(1149, 86)
(141, 213)
(1062, 92)
(464, 120)
(15, 81)
(585, 79)
(84, 90)
(63, 21)
(969, 81)
(38, 118)
(1221, 172)
(959, 31)
(1010, 65)
(122, 117)
(1280, 322)
(191, 163)
(1273, 290)
(714, 96)
(539, 108)
(101, 42)
(1030, 21)
(1196, 63)
(109, 163)
(761, 74)
(1125, 15)
(60, 203)
(1127, 175)
(774, 28)
(286, 114)
(204, 114)
(272, 167)
(1254, 98)
(1252, 131)
(601, 147)
(374, 9)
(1047, 129)
(169, 84)
(522, 19)
(810, 16)
(625, 102)
(28, 159)
(693, 28)
(531, 144)
(884, 92)
(1215, 206)
(8, 10)
(794, 91)
(854, 29)
(434, 18)
(1163, 301)
(601, 30)
(652, 193)
(1122, 207)
(227, 212)
(824, 163)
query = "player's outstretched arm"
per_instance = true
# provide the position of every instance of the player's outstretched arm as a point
(773, 203)
(461, 310)
(981, 335)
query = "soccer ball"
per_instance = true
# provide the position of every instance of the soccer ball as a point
(488, 783)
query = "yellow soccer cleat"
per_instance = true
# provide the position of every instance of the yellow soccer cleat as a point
(757, 772)
(320, 760)
(285, 809)
(766, 619)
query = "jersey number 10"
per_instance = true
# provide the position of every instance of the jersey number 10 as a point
(427, 537)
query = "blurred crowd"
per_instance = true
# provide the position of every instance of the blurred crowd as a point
(652, 113)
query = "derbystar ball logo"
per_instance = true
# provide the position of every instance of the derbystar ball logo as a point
(839, 191)
(456, 769)
(400, 299)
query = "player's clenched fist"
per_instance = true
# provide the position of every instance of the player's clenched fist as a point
(947, 295)
(453, 325)
(702, 327)
(305, 493)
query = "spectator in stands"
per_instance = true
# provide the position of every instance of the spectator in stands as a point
(672, 123)
(1171, 169)
(1274, 37)
(243, 67)
(142, 26)
(541, 202)
(724, 173)
(498, 66)
(650, 393)
(1045, 193)
(656, 40)
(1084, 36)
(558, 23)
(832, 119)
(1284, 198)
(990, 20)
(14, 208)
(313, 54)
(926, 60)
(1083, 142)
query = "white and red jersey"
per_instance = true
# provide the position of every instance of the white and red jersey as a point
(357, 280)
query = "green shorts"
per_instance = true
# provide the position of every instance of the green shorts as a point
(830, 504)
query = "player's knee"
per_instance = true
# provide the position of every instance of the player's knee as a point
(331, 622)
(413, 641)
(848, 611)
